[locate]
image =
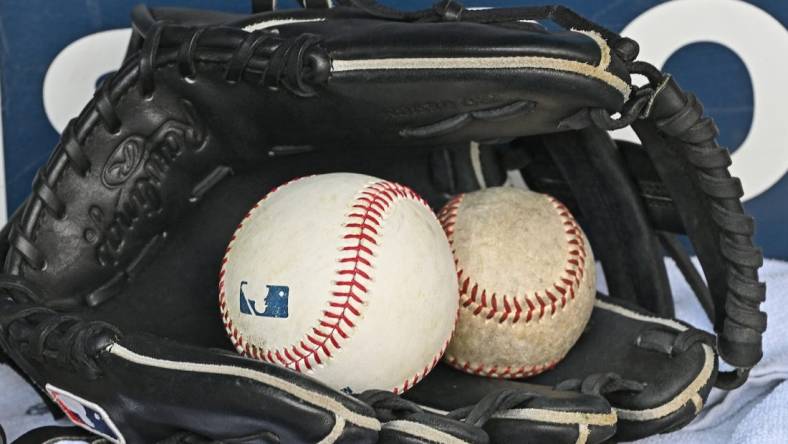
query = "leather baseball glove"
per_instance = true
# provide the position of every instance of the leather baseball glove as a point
(109, 287)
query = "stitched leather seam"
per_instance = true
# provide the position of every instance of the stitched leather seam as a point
(526, 307)
(501, 62)
(363, 226)
(604, 48)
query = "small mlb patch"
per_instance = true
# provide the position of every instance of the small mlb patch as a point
(86, 414)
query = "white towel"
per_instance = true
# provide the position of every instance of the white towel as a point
(21, 409)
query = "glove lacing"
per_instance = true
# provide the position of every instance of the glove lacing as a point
(44, 334)
(478, 414)
(601, 384)
(389, 406)
(296, 64)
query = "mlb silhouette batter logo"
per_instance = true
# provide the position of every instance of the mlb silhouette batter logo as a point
(85, 414)
(275, 302)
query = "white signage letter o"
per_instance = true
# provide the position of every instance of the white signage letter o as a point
(71, 79)
(760, 41)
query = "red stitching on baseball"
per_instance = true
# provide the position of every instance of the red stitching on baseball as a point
(511, 307)
(348, 291)
(540, 302)
(501, 372)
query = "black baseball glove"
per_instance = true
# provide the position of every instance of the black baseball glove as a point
(109, 288)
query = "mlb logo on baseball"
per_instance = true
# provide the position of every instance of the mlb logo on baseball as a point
(372, 270)
(275, 302)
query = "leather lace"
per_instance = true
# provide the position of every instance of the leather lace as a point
(478, 414)
(389, 406)
(601, 384)
(743, 322)
(44, 334)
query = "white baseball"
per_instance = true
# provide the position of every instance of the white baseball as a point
(526, 281)
(345, 277)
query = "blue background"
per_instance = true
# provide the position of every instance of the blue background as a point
(33, 32)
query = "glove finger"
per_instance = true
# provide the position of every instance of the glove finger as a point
(546, 415)
(227, 396)
(666, 379)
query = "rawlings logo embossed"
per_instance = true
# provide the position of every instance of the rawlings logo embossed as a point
(140, 165)
(275, 302)
(123, 161)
